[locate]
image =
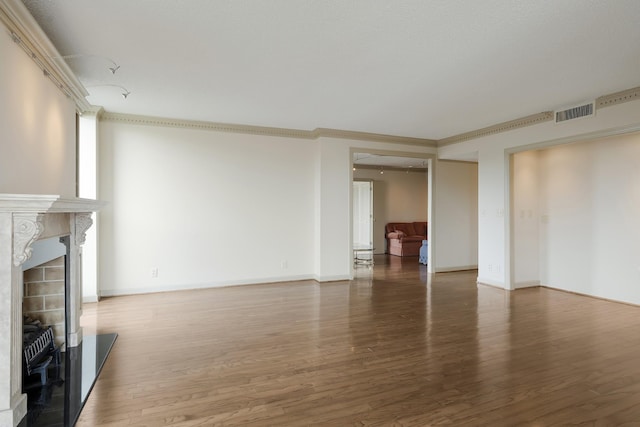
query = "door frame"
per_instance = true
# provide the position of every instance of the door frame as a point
(431, 188)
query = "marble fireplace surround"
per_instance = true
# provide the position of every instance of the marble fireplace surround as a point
(23, 220)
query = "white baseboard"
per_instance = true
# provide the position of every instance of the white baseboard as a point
(190, 286)
(89, 299)
(456, 268)
(618, 301)
(336, 278)
(527, 284)
(490, 282)
(518, 285)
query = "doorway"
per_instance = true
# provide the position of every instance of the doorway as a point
(400, 192)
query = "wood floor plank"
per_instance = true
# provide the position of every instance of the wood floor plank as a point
(393, 347)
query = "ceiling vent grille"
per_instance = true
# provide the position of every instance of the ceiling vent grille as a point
(580, 111)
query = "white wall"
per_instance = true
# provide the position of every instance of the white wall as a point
(397, 197)
(204, 208)
(88, 188)
(493, 176)
(211, 208)
(456, 216)
(334, 199)
(526, 219)
(491, 219)
(37, 146)
(590, 203)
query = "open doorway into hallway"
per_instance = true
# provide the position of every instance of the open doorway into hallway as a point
(399, 193)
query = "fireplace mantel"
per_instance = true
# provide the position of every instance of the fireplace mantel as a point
(25, 218)
(46, 204)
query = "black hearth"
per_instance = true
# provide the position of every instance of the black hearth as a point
(58, 403)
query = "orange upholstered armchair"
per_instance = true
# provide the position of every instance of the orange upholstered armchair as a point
(405, 238)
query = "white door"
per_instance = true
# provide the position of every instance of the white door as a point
(363, 214)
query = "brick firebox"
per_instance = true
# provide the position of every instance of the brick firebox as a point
(44, 296)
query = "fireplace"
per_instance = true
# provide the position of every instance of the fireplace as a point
(45, 288)
(24, 220)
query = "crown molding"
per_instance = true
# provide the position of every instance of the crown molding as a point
(204, 125)
(604, 101)
(534, 119)
(616, 98)
(499, 128)
(95, 110)
(26, 32)
(377, 137)
(263, 130)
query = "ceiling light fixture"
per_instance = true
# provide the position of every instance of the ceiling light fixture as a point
(125, 91)
(381, 171)
(113, 69)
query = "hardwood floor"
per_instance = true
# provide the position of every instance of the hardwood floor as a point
(390, 348)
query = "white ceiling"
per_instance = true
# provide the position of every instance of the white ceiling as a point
(419, 68)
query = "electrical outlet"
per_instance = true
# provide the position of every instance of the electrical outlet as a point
(490, 267)
(154, 272)
(284, 264)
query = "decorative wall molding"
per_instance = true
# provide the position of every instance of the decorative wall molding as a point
(263, 130)
(618, 98)
(377, 137)
(83, 222)
(203, 125)
(27, 227)
(534, 119)
(604, 101)
(95, 110)
(26, 33)
(499, 128)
